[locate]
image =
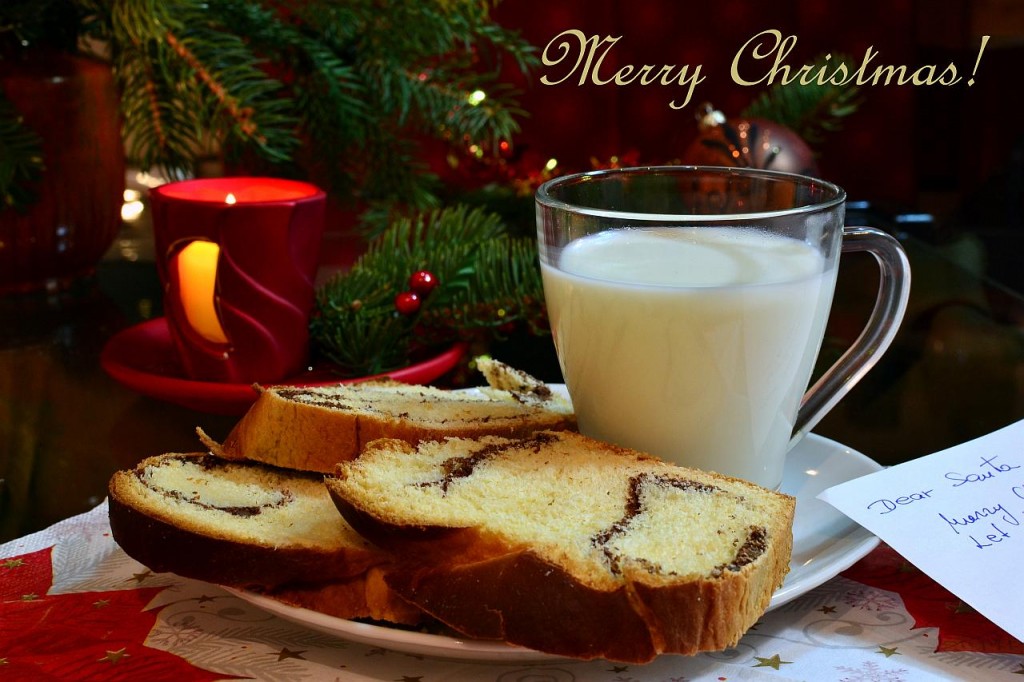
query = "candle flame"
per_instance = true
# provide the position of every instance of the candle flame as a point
(197, 276)
(230, 198)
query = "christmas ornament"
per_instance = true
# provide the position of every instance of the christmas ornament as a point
(811, 110)
(407, 302)
(422, 282)
(749, 143)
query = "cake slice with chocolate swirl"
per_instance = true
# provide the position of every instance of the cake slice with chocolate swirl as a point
(251, 526)
(570, 546)
(314, 428)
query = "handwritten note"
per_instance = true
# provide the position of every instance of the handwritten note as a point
(958, 515)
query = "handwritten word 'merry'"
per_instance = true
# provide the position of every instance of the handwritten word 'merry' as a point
(980, 515)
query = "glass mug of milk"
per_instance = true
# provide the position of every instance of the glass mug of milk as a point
(688, 306)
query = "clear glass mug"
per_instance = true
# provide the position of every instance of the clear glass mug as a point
(688, 306)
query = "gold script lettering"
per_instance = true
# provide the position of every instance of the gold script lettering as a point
(575, 42)
(763, 46)
(772, 47)
(583, 55)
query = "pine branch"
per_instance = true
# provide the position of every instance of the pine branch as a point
(440, 94)
(356, 326)
(394, 173)
(329, 96)
(424, 82)
(487, 280)
(339, 92)
(444, 242)
(504, 289)
(21, 159)
(511, 43)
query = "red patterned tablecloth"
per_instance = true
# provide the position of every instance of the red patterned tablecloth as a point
(73, 606)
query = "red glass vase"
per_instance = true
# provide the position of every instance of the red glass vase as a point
(71, 103)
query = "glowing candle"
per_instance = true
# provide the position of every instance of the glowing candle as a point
(197, 272)
(237, 257)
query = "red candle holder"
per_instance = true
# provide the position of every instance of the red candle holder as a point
(237, 258)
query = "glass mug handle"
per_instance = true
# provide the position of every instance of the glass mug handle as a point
(881, 328)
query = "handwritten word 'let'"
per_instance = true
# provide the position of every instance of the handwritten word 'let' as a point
(980, 515)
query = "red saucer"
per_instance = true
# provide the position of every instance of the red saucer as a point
(143, 359)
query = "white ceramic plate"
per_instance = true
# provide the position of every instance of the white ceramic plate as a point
(825, 542)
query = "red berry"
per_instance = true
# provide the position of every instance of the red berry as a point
(407, 302)
(422, 282)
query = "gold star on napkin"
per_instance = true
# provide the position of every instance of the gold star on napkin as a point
(774, 662)
(114, 656)
(288, 653)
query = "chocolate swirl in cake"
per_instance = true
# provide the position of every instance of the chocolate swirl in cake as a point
(210, 463)
(333, 401)
(463, 467)
(310, 397)
(753, 547)
(351, 403)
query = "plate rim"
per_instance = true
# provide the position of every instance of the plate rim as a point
(409, 641)
(861, 541)
(227, 397)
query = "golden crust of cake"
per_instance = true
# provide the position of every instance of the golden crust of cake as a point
(570, 546)
(314, 428)
(366, 596)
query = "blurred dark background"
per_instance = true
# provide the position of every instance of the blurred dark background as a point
(952, 152)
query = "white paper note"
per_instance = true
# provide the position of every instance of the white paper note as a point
(958, 515)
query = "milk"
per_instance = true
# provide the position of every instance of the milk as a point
(694, 344)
